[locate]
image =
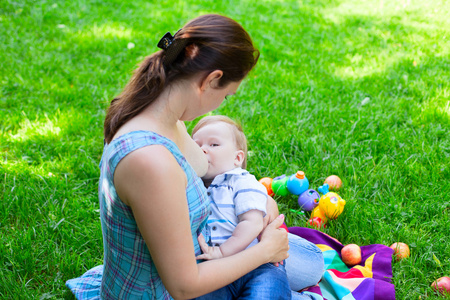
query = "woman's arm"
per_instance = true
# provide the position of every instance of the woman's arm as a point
(153, 184)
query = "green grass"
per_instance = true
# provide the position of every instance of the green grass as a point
(359, 89)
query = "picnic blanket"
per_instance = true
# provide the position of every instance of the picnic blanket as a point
(369, 280)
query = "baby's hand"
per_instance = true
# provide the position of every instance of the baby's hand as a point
(209, 253)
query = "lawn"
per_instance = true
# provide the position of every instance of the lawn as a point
(360, 89)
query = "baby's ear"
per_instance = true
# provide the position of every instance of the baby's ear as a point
(239, 158)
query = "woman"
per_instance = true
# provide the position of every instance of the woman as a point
(153, 205)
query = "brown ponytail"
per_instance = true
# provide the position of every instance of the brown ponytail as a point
(214, 42)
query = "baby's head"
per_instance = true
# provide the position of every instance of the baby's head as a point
(223, 142)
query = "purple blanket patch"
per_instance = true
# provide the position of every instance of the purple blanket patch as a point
(374, 281)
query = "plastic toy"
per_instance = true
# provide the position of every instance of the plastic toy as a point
(267, 182)
(316, 222)
(330, 206)
(297, 183)
(279, 185)
(300, 213)
(283, 185)
(308, 200)
(334, 182)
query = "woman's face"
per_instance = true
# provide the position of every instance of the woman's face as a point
(217, 95)
(211, 97)
(207, 96)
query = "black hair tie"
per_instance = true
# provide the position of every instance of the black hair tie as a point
(171, 46)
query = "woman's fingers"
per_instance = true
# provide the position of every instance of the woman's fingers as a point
(276, 240)
(277, 222)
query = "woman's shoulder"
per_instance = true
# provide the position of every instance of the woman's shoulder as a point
(147, 169)
(152, 161)
(141, 146)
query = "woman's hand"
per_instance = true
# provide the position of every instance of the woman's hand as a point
(275, 240)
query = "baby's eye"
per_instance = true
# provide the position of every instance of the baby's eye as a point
(214, 145)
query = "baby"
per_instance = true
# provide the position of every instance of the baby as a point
(238, 200)
(238, 206)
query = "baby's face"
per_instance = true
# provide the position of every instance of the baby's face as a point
(218, 143)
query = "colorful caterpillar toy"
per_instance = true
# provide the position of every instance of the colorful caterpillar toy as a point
(328, 206)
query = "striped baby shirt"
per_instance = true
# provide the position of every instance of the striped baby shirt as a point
(232, 194)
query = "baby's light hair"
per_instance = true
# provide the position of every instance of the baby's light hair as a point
(236, 129)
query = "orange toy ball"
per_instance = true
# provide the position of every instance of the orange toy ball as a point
(334, 182)
(351, 254)
(267, 182)
(401, 250)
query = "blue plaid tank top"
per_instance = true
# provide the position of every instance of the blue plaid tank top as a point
(129, 272)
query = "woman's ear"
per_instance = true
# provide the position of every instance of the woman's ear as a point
(211, 80)
(239, 158)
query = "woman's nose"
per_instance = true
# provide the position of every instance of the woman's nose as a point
(204, 149)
